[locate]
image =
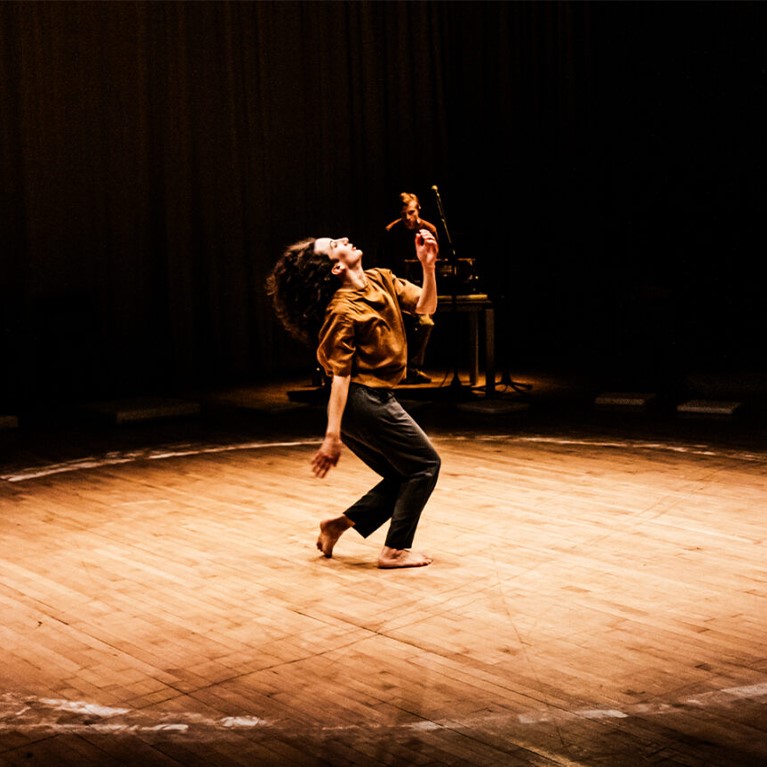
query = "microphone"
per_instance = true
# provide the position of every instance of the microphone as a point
(439, 200)
(442, 216)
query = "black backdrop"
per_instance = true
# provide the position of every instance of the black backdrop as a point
(603, 162)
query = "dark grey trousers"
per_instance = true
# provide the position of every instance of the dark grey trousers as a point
(380, 433)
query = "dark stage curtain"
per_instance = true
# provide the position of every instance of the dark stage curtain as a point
(156, 156)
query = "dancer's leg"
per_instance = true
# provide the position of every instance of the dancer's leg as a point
(388, 440)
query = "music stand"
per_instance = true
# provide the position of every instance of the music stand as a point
(455, 384)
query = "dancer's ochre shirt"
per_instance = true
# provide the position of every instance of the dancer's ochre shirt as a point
(363, 335)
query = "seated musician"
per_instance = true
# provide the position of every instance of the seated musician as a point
(396, 251)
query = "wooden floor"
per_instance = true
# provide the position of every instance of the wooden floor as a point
(594, 600)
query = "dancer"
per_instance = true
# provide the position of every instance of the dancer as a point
(323, 296)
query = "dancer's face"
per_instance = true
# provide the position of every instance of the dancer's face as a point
(340, 251)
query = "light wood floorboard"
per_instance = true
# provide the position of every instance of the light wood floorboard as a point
(592, 602)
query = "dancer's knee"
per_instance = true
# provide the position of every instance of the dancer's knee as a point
(434, 465)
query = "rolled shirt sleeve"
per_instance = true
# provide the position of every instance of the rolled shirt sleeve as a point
(335, 352)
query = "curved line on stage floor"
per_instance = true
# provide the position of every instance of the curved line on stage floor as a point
(184, 450)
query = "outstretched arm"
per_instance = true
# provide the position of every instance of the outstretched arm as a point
(427, 250)
(330, 449)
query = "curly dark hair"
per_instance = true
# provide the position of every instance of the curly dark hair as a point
(301, 285)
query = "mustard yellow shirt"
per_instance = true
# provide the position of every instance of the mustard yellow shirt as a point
(363, 334)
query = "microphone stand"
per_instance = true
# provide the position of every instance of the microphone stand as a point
(455, 384)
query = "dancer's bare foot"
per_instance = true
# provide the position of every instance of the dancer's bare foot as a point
(391, 558)
(330, 531)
